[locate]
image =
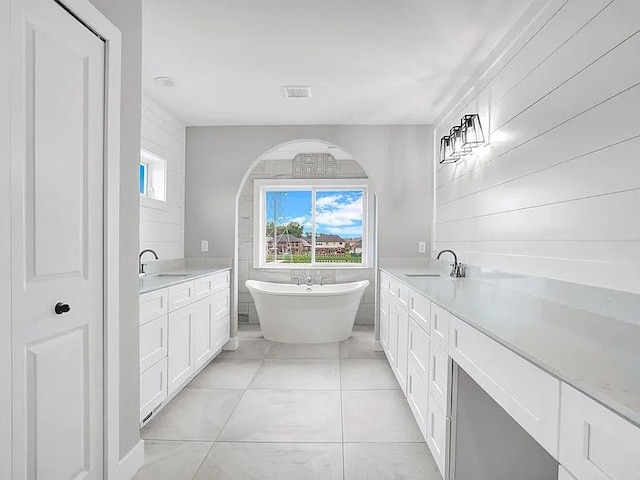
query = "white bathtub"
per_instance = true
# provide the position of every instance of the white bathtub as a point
(301, 314)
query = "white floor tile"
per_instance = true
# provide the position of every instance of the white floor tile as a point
(389, 461)
(358, 374)
(286, 416)
(269, 461)
(304, 374)
(227, 373)
(194, 414)
(304, 350)
(255, 348)
(170, 460)
(359, 348)
(378, 416)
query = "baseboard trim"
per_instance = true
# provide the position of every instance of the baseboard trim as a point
(132, 462)
(232, 344)
(377, 346)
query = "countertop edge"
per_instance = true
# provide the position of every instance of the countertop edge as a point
(178, 280)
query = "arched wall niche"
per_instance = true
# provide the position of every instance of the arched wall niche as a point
(278, 163)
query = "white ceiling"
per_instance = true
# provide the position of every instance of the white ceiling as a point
(367, 61)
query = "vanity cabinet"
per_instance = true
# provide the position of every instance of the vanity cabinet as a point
(182, 327)
(590, 441)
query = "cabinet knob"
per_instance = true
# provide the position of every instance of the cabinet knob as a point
(61, 308)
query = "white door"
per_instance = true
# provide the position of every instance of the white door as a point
(57, 243)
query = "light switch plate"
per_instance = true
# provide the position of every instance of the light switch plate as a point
(204, 245)
(422, 247)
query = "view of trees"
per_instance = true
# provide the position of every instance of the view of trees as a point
(292, 228)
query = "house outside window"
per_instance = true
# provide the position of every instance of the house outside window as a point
(319, 223)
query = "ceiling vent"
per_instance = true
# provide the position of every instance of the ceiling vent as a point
(296, 91)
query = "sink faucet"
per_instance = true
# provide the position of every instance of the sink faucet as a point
(309, 281)
(140, 264)
(457, 269)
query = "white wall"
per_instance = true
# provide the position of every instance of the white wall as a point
(397, 159)
(162, 223)
(126, 15)
(557, 193)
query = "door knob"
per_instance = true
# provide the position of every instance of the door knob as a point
(61, 308)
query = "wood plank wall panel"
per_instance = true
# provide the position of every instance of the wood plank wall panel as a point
(557, 191)
(162, 225)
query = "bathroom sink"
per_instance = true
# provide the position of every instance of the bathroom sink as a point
(175, 275)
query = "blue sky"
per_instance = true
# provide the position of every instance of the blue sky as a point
(337, 212)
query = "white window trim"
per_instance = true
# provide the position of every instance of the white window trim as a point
(259, 221)
(155, 195)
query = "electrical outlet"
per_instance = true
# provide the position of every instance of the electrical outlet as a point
(204, 245)
(422, 247)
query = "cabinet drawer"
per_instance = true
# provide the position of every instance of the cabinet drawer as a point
(153, 342)
(417, 396)
(152, 305)
(153, 387)
(438, 373)
(203, 287)
(419, 349)
(595, 443)
(527, 393)
(420, 310)
(440, 325)
(385, 282)
(437, 425)
(181, 295)
(401, 293)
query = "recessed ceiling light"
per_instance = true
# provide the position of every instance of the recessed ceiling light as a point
(165, 81)
(296, 91)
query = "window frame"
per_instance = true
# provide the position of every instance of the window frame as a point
(157, 173)
(262, 186)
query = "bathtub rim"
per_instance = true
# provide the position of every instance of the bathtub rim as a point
(353, 287)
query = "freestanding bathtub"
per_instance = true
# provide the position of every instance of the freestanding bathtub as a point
(306, 314)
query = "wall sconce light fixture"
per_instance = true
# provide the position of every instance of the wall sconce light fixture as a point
(462, 139)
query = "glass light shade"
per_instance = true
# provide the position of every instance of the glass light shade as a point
(471, 131)
(446, 153)
(458, 150)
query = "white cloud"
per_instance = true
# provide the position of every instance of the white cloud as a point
(340, 214)
(355, 231)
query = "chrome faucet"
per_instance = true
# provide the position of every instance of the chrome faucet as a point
(309, 281)
(141, 272)
(296, 279)
(457, 269)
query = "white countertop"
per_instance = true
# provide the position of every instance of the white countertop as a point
(596, 354)
(173, 277)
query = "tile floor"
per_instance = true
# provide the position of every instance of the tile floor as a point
(289, 412)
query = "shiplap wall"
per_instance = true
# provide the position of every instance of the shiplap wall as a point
(162, 223)
(557, 192)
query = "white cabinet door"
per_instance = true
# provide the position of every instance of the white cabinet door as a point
(181, 353)
(419, 349)
(384, 320)
(437, 433)
(204, 338)
(153, 388)
(595, 443)
(563, 474)
(438, 373)
(56, 168)
(417, 395)
(392, 350)
(153, 342)
(221, 332)
(403, 353)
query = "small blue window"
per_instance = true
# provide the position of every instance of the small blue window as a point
(143, 179)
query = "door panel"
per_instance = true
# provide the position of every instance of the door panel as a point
(57, 162)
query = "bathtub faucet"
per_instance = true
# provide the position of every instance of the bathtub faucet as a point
(309, 281)
(297, 280)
